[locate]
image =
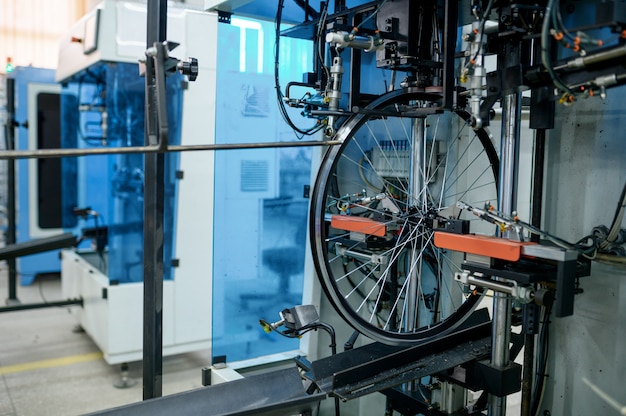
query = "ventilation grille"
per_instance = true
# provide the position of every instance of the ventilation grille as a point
(254, 175)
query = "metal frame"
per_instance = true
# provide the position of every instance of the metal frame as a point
(156, 148)
(10, 145)
(153, 216)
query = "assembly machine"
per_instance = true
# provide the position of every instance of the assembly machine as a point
(42, 198)
(415, 216)
(103, 107)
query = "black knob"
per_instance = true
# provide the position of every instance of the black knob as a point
(189, 68)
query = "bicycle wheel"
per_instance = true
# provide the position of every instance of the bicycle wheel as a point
(402, 161)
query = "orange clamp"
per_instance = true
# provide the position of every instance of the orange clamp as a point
(358, 224)
(482, 245)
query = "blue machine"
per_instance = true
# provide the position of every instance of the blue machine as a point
(46, 191)
(99, 107)
(103, 106)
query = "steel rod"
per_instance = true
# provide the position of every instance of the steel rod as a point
(58, 153)
(14, 308)
(451, 11)
(153, 214)
(493, 285)
(538, 171)
(417, 198)
(509, 151)
(11, 203)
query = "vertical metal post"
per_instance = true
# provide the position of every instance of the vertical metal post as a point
(10, 145)
(417, 198)
(354, 98)
(153, 218)
(537, 197)
(536, 205)
(507, 200)
(451, 12)
(527, 373)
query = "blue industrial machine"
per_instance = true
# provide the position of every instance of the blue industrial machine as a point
(46, 188)
(103, 107)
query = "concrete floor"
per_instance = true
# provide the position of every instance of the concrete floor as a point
(47, 368)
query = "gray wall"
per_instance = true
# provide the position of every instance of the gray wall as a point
(585, 173)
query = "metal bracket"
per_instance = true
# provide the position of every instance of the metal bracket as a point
(524, 294)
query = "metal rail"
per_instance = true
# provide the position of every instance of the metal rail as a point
(153, 207)
(29, 306)
(157, 148)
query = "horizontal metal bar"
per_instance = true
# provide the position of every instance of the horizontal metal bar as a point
(549, 252)
(274, 393)
(38, 245)
(492, 284)
(59, 153)
(14, 308)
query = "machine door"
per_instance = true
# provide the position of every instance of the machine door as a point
(47, 185)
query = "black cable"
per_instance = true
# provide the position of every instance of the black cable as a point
(558, 21)
(544, 344)
(308, 328)
(327, 328)
(279, 94)
(483, 21)
(545, 53)
(333, 349)
(619, 213)
(561, 242)
(321, 44)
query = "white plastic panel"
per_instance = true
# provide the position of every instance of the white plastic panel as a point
(122, 36)
(194, 223)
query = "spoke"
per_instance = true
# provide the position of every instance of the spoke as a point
(419, 257)
(459, 195)
(429, 177)
(356, 287)
(469, 165)
(343, 236)
(453, 269)
(392, 141)
(384, 181)
(395, 253)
